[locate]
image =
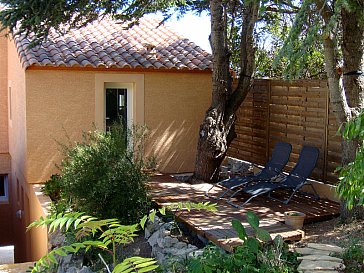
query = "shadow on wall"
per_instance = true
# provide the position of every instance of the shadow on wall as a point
(174, 146)
(47, 154)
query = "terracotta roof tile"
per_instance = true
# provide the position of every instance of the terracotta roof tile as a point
(108, 44)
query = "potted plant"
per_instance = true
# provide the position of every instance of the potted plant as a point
(294, 219)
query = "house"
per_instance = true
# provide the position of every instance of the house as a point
(75, 82)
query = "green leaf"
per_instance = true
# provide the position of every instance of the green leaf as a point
(143, 221)
(252, 244)
(239, 228)
(252, 219)
(263, 235)
(278, 241)
(162, 210)
(152, 215)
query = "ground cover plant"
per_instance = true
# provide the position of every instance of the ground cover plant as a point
(257, 253)
(103, 176)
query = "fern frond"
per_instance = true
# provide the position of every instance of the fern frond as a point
(136, 264)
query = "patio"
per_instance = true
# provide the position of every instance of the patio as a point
(216, 226)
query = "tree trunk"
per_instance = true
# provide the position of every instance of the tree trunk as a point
(217, 129)
(347, 94)
(353, 67)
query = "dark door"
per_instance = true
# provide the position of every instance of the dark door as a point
(116, 108)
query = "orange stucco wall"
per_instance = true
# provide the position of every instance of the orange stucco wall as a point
(174, 108)
(39, 239)
(17, 150)
(4, 145)
(61, 104)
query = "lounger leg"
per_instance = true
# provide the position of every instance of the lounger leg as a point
(283, 201)
(243, 204)
(218, 197)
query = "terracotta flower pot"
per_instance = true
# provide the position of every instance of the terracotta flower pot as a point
(294, 219)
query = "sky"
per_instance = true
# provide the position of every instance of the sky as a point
(195, 28)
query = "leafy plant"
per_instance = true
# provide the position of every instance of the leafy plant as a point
(52, 187)
(103, 175)
(105, 235)
(351, 177)
(258, 253)
(353, 258)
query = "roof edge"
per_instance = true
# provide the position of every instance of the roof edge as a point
(115, 69)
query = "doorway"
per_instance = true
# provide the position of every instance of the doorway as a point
(116, 106)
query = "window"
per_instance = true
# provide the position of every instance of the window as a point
(116, 106)
(4, 188)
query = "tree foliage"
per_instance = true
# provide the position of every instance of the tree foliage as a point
(38, 18)
(351, 185)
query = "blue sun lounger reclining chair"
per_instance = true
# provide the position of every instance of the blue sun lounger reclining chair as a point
(279, 159)
(293, 181)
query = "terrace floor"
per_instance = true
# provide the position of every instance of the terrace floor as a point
(216, 226)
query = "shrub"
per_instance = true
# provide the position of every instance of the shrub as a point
(102, 175)
(52, 187)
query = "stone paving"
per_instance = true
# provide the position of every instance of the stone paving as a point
(15, 268)
(319, 258)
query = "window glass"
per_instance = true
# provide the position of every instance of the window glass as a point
(2, 186)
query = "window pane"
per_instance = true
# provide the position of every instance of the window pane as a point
(2, 186)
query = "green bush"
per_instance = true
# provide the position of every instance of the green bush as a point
(103, 175)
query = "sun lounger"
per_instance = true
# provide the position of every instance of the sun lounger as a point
(279, 159)
(293, 181)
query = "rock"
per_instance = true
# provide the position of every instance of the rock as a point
(85, 269)
(325, 247)
(72, 269)
(70, 264)
(195, 253)
(180, 245)
(153, 240)
(311, 251)
(55, 239)
(319, 265)
(147, 234)
(320, 257)
(319, 271)
(166, 242)
(184, 253)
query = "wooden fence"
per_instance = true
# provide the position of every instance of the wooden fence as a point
(297, 112)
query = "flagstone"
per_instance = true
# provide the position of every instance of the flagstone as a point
(320, 257)
(319, 265)
(325, 247)
(311, 251)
